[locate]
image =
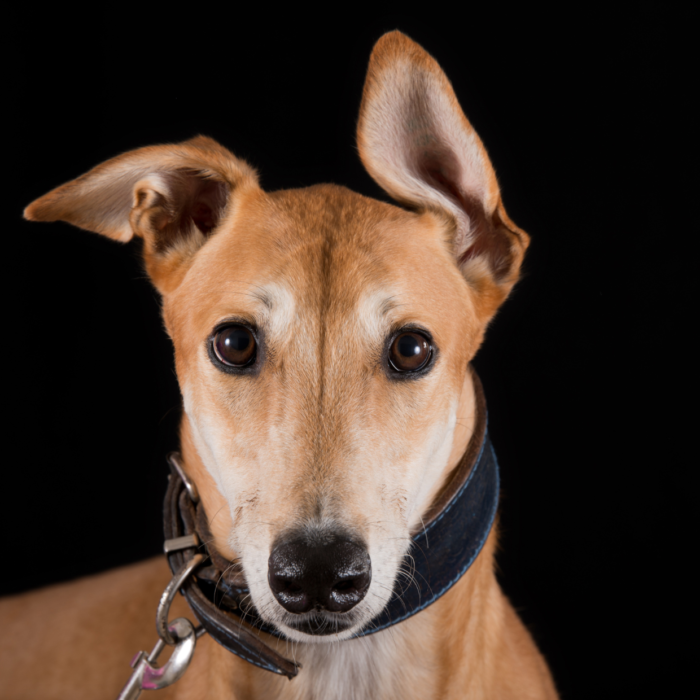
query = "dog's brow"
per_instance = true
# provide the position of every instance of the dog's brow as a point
(263, 297)
(388, 304)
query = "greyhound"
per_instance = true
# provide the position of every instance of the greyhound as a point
(322, 342)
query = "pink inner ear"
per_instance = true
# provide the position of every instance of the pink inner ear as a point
(203, 217)
(441, 169)
(193, 199)
(418, 145)
(208, 205)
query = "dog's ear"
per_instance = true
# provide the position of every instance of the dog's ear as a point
(172, 196)
(417, 144)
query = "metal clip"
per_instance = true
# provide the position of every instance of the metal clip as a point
(147, 676)
(180, 633)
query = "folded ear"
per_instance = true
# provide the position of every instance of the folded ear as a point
(417, 144)
(172, 196)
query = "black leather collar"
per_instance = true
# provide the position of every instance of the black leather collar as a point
(454, 532)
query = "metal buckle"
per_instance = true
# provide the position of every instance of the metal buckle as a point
(178, 543)
(180, 634)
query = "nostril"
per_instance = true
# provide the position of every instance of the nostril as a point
(289, 586)
(348, 591)
(289, 592)
(344, 585)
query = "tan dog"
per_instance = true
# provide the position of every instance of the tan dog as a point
(322, 345)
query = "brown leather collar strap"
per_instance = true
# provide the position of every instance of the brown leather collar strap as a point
(460, 517)
(180, 518)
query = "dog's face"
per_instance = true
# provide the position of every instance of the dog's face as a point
(322, 339)
(336, 418)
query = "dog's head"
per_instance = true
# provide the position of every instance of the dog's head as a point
(322, 339)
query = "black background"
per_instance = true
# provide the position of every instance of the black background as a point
(586, 115)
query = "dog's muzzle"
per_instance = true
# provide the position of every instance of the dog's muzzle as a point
(319, 578)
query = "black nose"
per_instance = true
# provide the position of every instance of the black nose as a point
(327, 574)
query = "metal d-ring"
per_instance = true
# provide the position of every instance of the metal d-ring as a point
(174, 460)
(167, 598)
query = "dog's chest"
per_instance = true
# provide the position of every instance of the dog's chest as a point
(390, 664)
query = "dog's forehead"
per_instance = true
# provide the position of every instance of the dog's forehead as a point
(323, 254)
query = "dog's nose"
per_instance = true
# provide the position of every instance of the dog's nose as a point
(333, 574)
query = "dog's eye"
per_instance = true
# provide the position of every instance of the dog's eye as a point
(234, 346)
(409, 352)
